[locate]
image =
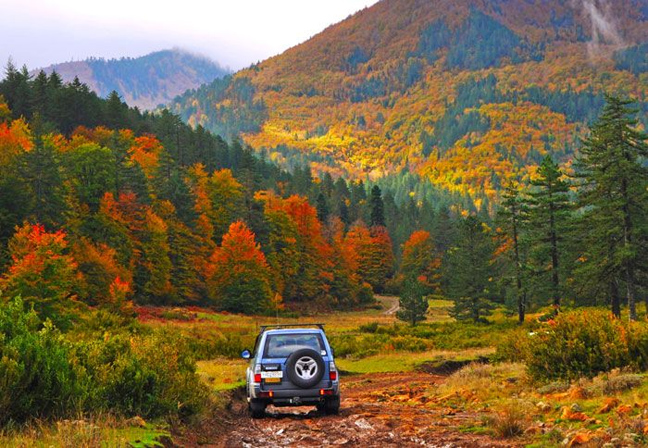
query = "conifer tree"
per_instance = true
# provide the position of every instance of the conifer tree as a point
(413, 302)
(377, 207)
(549, 206)
(614, 201)
(513, 215)
(469, 271)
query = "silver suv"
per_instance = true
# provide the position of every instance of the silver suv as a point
(292, 365)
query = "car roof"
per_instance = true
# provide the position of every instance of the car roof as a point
(294, 331)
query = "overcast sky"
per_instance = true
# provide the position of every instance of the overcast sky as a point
(235, 33)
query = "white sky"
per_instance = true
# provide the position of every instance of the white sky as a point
(235, 33)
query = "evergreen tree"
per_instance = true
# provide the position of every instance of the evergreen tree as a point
(513, 215)
(469, 271)
(322, 208)
(548, 215)
(614, 201)
(377, 207)
(413, 302)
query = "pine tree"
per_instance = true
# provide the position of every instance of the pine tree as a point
(413, 302)
(469, 271)
(377, 207)
(548, 215)
(513, 215)
(614, 201)
(322, 208)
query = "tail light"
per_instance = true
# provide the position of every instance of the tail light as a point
(332, 371)
(257, 373)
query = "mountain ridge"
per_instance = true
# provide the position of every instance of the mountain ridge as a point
(146, 81)
(385, 89)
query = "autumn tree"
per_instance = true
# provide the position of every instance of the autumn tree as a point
(420, 261)
(240, 277)
(42, 272)
(98, 267)
(380, 266)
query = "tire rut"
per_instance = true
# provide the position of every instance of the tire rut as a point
(377, 410)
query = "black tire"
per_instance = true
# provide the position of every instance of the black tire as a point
(257, 408)
(292, 368)
(332, 406)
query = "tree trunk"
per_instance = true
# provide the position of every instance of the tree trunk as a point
(627, 243)
(555, 281)
(615, 299)
(521, 296)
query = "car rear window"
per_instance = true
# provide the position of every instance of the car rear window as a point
(282, 345)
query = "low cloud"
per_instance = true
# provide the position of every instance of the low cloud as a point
(604, 29)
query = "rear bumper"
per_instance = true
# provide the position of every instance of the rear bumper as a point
(298, 397)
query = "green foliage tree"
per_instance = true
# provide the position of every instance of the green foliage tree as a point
(469, 271)
(613, 201)
(549, 212)
(413, 302)
(377, 207)
(512, 250)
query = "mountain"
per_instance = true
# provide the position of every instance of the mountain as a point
(145, 82)
(465, 92)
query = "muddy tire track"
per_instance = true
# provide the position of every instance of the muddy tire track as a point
(386, 410)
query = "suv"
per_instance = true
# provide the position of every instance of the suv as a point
(292, 365)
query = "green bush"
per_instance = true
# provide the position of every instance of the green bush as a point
(579, 344)
(43, 374)
(148, 376)
(36, 378)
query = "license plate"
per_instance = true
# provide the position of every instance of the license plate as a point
(272, 380)
(277, 375)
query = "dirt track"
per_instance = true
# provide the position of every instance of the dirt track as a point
(377, 410)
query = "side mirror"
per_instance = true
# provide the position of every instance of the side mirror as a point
(245, 354)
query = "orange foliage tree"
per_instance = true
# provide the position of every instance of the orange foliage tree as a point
(310, 260)
(371, 252)
(239, 277)
(42, 272)
(420, 260)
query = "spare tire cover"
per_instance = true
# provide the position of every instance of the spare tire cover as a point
(305, 368)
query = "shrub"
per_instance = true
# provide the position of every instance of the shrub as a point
(146, 375)
(509, 421)
(579, 343)
(36, 378)
(44, 375)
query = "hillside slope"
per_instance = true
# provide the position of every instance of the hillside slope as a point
(467, 92)
(145, 82)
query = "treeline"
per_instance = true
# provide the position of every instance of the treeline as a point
(142, 207)
(577, 236)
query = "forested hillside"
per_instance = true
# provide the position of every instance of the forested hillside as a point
(146, 81)
(144, 204)
(467, 94)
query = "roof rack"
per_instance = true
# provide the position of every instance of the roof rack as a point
(265, 327)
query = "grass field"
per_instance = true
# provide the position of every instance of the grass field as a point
(501, 397)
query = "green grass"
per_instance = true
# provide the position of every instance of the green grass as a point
(105, 432)
(141, 437)
(222, 374)
(405, 361)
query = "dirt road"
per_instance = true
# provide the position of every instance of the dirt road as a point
(381, 410)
